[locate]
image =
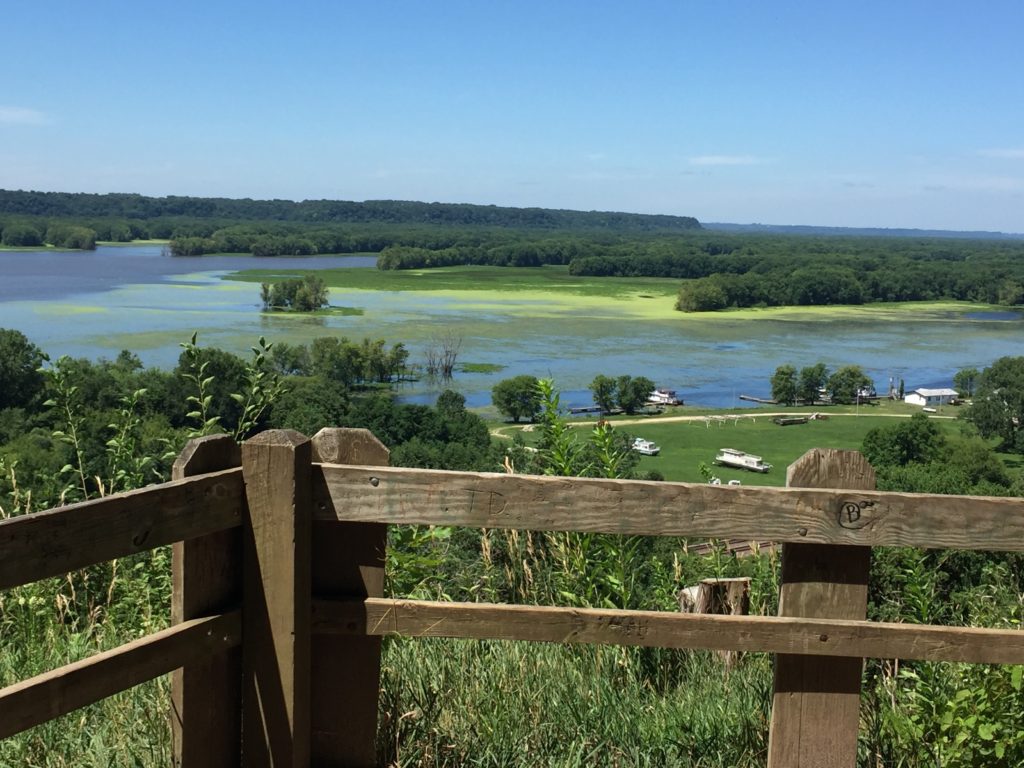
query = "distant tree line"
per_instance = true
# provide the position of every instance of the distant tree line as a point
(133, 206)
(57, 234)
(994, 282)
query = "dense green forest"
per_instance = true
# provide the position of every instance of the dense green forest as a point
(140, 207)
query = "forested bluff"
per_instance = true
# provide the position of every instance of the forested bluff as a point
(719, 270)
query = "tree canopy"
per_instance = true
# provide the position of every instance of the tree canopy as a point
(997, 409)
(848, 383)
(517, 398)
(784, 385)
(20, 360)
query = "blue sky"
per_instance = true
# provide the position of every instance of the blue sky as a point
(890, 114)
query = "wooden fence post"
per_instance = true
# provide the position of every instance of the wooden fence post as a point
(276, 466)
(816, 703)
(348, 562)
(207, 578)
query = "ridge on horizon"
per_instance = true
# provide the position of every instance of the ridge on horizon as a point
(132, 205)
(392, 210)
(815, 229)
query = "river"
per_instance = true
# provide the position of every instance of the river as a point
(95, 303)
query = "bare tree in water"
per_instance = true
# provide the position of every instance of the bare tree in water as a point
(441, 355)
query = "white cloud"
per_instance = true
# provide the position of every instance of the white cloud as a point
(22, 116)
(1003, 154)
(725, 160)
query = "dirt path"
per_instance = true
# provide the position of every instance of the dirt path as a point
(501, 431)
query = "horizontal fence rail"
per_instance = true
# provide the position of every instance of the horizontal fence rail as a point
(659, 629)
(54, 542)
(278, 577)
(646, 508)
(52, 694)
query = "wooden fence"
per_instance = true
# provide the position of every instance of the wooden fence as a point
(278, 581)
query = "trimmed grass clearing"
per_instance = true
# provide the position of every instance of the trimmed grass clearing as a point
(686, 444)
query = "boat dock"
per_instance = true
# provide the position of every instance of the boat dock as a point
(761, 400)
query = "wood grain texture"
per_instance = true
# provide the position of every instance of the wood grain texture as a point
(63, 539)
(348, 563)
(276, 600)
(64, 690)
(758, 634)
(816, 701)
(206, 696)
(822, 516)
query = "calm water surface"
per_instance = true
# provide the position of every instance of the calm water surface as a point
(96, 303)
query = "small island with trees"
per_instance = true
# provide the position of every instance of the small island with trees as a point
(303, 294)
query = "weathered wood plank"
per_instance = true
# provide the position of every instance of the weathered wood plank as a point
(637, 507)
(816, 701)
(276, 600)
(64, 690)
(348, 562)
(755, 634)
(206, 696)
(63, 539)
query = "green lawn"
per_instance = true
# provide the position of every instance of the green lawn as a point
(687, 444)
(684, 445)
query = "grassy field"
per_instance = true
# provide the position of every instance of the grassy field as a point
(551, 278)
(687, 441)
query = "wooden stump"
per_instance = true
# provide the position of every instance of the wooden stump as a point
(721, 596)
(725, 596)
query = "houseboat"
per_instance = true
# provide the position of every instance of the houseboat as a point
(730, 457)
(664, 397)
(646, 447)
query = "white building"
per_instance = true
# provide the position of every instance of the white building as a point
(930, 397)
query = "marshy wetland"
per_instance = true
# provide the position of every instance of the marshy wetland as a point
(540, 321)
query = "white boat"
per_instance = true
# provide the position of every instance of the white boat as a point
(730, 457)
(664, 397)
(646, 447)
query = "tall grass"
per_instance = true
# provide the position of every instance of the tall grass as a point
(53, 622)
(455, 702)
